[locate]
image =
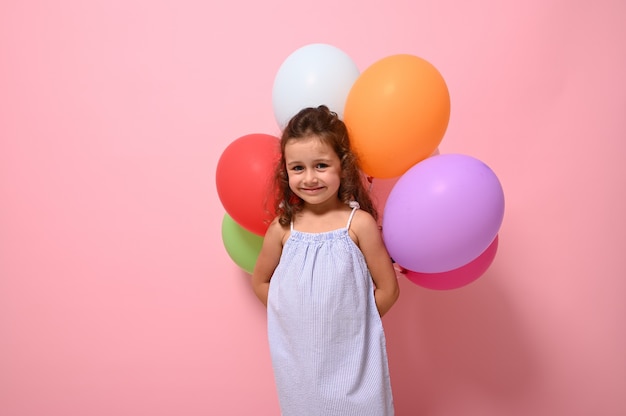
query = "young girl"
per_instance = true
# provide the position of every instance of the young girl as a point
(326, 277)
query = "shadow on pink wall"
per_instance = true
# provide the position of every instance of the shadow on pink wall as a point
(442, 344)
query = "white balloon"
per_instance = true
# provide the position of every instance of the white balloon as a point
(313, 75)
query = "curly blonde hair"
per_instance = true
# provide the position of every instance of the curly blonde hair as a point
(326, 125)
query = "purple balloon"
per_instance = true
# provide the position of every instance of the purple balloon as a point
(443, 213)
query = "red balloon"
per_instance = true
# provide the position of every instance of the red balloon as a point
(244, 180)
(459, 277)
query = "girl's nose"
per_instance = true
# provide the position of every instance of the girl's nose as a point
(310, 176)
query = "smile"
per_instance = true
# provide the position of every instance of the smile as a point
(312, 190)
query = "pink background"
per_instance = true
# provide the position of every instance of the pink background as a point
(116, 294)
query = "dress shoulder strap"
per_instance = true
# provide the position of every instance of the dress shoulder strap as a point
(354, 205)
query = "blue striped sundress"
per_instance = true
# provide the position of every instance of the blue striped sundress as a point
(326, 337)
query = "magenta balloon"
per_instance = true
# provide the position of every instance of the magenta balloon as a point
(456, 278)
(443, 213)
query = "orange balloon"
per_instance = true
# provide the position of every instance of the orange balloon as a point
(397, 112)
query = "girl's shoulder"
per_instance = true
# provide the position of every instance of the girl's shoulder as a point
(277, 232)
(364, 219)
(363, 224)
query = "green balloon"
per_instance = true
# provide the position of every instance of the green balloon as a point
(242, 246)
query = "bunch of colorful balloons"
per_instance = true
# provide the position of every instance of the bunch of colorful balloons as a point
(441, 213)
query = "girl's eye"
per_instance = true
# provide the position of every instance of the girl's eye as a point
(297, 168)
(321, 166)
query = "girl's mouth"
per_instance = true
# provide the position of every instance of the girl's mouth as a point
(312, 190)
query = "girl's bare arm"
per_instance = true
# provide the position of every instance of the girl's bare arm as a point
(369, 240)
(268, 260)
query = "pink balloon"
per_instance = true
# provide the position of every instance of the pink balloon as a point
(456, 278)
(380, 188)
(379, 192)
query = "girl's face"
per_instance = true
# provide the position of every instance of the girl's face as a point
(314, 170)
